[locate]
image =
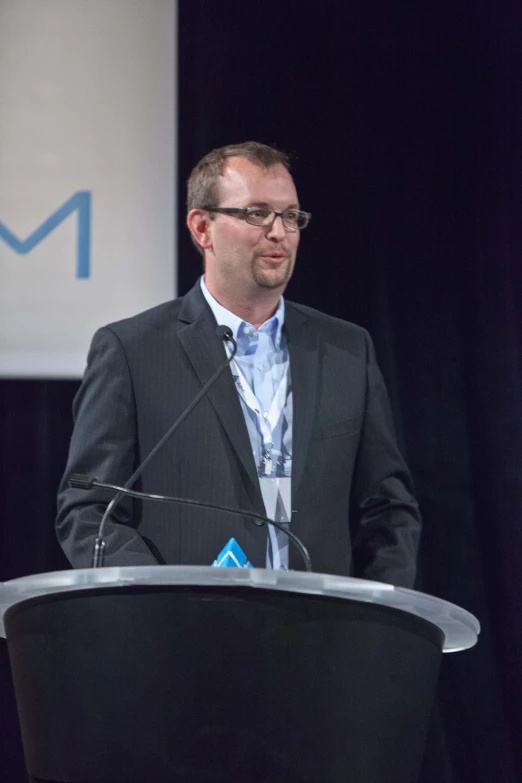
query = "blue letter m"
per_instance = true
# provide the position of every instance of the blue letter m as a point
(81, 201)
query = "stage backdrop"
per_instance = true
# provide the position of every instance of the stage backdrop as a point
(86, 171)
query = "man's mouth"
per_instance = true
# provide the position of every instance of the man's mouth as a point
(273, 256)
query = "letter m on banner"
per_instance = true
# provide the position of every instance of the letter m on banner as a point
(80, 202)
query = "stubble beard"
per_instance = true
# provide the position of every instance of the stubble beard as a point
(272, 278)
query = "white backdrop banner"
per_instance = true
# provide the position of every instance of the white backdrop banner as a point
(87, 174)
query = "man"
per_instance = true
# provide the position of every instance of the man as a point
(300, 428)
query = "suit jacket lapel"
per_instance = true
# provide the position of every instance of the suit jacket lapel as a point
(304, 369)
(206, 352)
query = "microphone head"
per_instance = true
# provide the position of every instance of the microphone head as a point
(224, 332)
(81, 481)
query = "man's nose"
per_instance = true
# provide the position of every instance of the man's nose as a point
(277, 229)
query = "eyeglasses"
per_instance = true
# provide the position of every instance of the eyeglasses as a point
(293, 219)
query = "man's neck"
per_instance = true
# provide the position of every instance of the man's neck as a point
(255, 311)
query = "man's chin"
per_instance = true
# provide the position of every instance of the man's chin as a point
(272, 278)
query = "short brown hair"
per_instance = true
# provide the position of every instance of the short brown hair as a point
(203, 183)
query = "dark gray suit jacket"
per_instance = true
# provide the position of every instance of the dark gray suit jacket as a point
(352, 502)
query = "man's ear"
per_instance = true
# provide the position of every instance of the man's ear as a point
(198, 222)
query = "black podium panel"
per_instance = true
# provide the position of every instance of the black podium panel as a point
(172, 684)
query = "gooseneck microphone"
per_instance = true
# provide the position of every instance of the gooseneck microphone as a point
(224, 333)
(81, 481)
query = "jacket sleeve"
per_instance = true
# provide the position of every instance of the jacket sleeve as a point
(387, 519)
(104, 445)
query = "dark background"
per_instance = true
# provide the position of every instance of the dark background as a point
(404, 120)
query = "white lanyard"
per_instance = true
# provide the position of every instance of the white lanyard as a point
(269, 422)
(276, 492)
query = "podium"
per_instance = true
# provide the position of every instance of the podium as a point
(178, 674)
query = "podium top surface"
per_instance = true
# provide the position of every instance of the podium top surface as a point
(459, 626)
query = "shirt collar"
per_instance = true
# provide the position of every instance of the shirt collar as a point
(225, 317)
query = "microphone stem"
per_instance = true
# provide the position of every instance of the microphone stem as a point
(213, 506)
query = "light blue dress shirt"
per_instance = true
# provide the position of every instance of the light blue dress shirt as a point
(262, 357)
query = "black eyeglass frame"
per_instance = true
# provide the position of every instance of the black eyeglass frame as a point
(245, 212)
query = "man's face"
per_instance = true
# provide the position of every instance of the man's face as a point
(249, 258)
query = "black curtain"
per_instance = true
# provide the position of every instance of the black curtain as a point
(404, 121)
